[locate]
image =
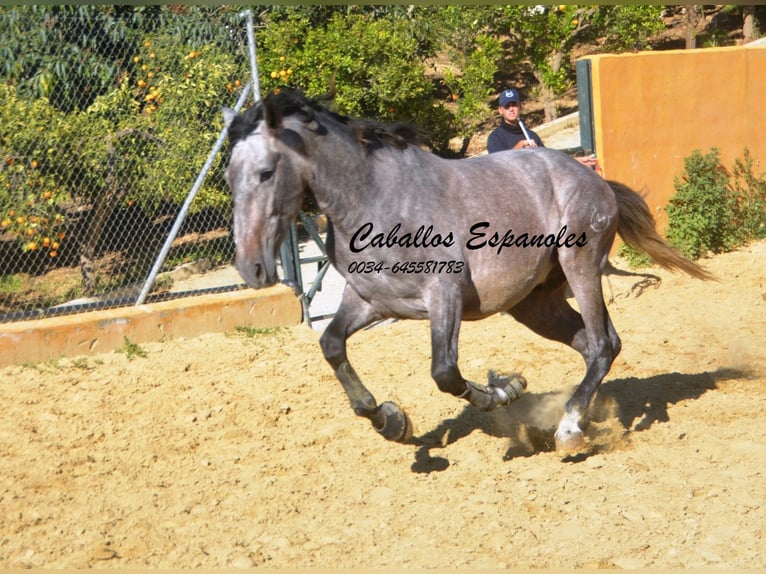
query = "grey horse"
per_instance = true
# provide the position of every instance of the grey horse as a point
(417, 236)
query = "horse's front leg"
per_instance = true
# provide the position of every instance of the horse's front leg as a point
(354, 314)
(445, 316)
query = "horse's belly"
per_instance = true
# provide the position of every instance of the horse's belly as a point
(498, 285)
(500, 297)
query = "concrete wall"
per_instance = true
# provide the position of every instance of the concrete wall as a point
(652, 109)
(105, 331)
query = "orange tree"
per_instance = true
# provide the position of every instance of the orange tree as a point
(140, 138)
(467, 36)
(31, 189)
(543, 37)
(374, 63)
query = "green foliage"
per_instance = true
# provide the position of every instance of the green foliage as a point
(33, 137)
(709, 212)
(629, 27)
(373, 65)
(749, 192)
(251, 332)
(73, 54)
(713, 210)
(544, 36)
(133, 350)
(701, 215)
(69, 54)
(470, 78)
(141, 141)
(635, 257)
(179, 96)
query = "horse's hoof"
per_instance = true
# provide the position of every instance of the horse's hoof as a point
(571, 443)
(513, 387)
(396, 424)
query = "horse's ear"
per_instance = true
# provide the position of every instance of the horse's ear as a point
(228, 117)
(272, 114)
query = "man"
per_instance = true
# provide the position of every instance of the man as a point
(513, 134)
(510, 134)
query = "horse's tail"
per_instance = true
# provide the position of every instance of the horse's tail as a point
(637, 228)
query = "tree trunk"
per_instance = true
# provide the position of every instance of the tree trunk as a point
(693, 18)
(549, 103)
(103, 206)
(748, 25)
(547, 92)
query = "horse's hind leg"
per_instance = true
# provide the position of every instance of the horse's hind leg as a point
(353, 314)
(547, 312)
(599, 344)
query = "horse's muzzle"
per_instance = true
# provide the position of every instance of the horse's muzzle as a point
(257, 274)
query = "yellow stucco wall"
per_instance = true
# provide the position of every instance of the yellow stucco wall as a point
(652, 109)
(105, 331)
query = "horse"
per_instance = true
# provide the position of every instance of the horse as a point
(418, 236)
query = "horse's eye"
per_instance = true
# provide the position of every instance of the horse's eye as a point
(266, 175)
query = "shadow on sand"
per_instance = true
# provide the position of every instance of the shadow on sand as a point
(632, 404)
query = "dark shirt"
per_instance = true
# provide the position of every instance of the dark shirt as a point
(505, 136)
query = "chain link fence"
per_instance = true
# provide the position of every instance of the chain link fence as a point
(106, 118)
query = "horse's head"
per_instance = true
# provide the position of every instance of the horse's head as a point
(267, 178)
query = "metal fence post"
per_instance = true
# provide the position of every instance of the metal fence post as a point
(187, 204)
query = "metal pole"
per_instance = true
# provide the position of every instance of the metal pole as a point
(187, 204)
(248, 14)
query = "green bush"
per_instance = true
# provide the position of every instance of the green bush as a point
(709, 212)
(702, 213)
(750, 194)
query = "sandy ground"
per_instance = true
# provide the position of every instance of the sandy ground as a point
(239, 450)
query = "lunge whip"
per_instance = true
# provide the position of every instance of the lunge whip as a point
(525, 132)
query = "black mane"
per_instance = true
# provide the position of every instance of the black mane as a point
(287, 102)
(245, 123)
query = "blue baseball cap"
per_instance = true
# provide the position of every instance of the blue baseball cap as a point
(508, 96)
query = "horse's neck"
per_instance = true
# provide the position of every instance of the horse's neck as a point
(344, 184)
